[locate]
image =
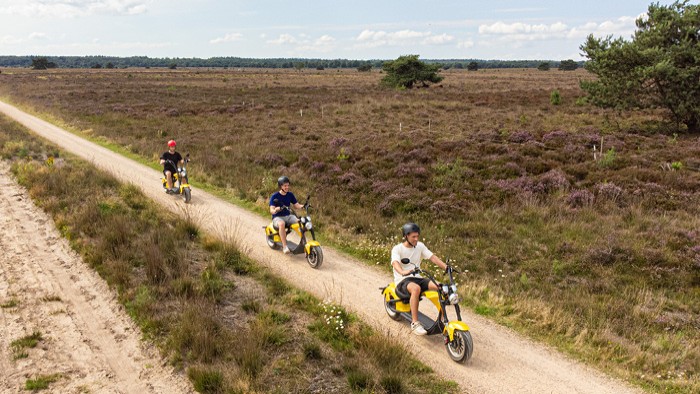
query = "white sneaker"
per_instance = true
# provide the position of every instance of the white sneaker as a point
(286, 250)
(417, 328)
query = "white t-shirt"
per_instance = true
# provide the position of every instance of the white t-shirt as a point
(400, 251)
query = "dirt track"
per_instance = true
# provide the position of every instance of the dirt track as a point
(87, 338)
(503, 362)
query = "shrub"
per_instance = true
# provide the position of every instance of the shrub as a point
(359, 380)
(580, 198)
(206, 381)
(555, 97)
(312, 351)
(609, 191)
(392, 385)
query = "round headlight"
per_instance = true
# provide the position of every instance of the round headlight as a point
(454, 298)
(308, 226)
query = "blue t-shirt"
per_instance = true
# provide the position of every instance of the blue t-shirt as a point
(282, 201)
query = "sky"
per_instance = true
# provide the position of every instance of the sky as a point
(331, 29)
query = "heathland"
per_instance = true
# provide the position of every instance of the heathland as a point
(594, 251)
(232, 325)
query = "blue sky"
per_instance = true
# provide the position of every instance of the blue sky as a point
(357, 29)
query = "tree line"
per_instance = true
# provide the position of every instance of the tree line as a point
(239, 62)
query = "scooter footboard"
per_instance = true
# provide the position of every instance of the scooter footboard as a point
(455, 325)
(430, 325)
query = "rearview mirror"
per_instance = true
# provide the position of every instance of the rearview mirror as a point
(405, 261)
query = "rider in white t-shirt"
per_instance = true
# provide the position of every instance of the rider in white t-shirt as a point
(413, 284)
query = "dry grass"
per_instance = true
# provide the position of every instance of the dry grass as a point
(558, 244)
(233, 326)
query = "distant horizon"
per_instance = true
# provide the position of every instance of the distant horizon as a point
(284, 58)
(361, 29)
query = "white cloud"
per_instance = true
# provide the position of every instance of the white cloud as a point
(283, 39)
(230, 37)
(303, 43)
(438, 40)
(622, 26)
(468, 43)
(525, 32)
(72, 8)
(379, 38)
(519, 32)
(37, 36)
(10, 40)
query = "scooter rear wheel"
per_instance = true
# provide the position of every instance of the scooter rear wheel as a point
(461, 347)
(271, 242)
(391, 311)
(315, 257)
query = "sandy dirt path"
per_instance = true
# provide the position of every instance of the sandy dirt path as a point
(503, 362)
(87, 337)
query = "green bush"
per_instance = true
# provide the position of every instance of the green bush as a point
(206, 381)
(555, 97)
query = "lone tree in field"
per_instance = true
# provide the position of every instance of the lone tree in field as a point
(544, 66)
(407, 71)
(473, 66)
(568, 65)
(365, 68)
(658, 68)
(42, 63)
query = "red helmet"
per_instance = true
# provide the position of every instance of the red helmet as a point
(171, 143)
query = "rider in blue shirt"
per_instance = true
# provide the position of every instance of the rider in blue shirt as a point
(280, 204)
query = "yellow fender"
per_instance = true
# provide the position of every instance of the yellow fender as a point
(455, 325)
(309, 244)
(389, 293)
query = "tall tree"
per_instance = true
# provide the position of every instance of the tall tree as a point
(658, 68)
(42, 63)
(407, 70)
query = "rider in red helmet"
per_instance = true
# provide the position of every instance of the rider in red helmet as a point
(171, 161)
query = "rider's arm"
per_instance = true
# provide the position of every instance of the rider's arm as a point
(436, 260)
(397, 267)
(274, 209)
(298, 206)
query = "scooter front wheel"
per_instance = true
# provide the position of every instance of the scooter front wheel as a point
(461, 347)
(187, 195)
(315, 257)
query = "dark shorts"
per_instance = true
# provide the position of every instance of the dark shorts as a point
(424, 284)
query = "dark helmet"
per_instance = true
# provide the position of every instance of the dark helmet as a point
(282, 180)
(410, 228)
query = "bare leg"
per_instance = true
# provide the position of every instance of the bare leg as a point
(169, 178)
(283, 234)
(414, 290)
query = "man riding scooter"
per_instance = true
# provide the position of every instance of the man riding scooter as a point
(282, 217)
(171, 161)
(405, 278)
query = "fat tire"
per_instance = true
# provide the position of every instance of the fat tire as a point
(461, 347)
(391, 311)
(270, 242)
(187, 195)
(315, 257)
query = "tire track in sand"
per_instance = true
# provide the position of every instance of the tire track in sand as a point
(88, 339)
